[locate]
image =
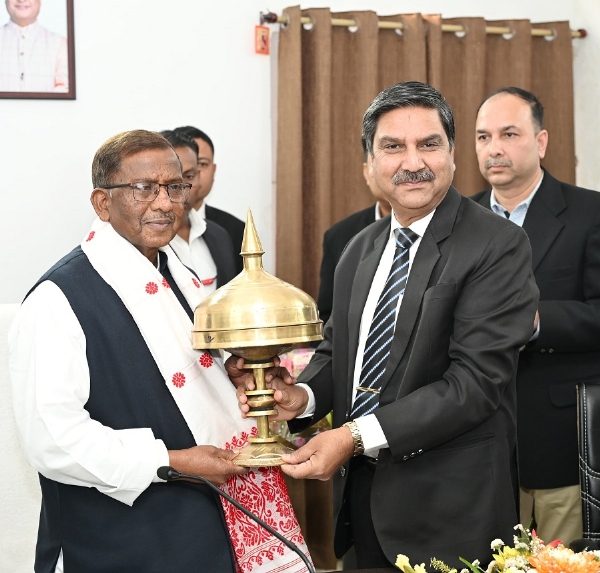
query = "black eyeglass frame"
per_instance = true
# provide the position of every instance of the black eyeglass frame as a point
(156, 190)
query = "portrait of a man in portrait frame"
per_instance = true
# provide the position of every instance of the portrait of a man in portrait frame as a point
(37, 58)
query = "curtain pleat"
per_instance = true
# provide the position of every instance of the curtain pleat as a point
(288, 204)
(463, 86)
(552, 82)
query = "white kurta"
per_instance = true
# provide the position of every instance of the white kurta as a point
(32, 59)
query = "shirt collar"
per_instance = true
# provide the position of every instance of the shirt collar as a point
(500, 210)
(14, 26)
(419, 227)
(197, 223)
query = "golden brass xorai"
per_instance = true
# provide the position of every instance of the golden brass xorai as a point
(257, 316)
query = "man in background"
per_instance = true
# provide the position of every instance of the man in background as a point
(336, 238)
(207, 168)
(563, 225)
(202, 245)
(32, 58)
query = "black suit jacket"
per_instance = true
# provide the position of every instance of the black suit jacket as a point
(563, 226)
(221, 250)
(444, 485)
(335, 240)
(233, 226)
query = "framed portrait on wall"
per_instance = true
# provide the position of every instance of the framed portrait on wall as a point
(37, 49)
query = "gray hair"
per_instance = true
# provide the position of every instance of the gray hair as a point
(406, 94)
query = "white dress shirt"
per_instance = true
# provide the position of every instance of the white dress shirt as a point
(195, 253)
(32, 59)
(517, 216)
(370, 430)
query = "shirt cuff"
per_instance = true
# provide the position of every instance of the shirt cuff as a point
(536, 334)
(310, 407)
(162, 459)
(372, 435)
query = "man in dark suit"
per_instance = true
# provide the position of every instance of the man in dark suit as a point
(423, 457)
(202, 245)
(206, 172)
(337, 237)
(563, 225)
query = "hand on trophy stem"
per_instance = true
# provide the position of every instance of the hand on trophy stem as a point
(242, 377)
(321, 457)
(291, 400)
(212, 463)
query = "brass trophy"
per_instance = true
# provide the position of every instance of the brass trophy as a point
(257, 316)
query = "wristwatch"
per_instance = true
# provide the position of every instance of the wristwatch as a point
(359, 447)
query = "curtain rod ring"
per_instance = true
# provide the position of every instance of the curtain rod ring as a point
(356, 27)
(510, 35)
(308, 25)
(551, 37)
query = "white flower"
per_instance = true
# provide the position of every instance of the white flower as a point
(420, 568)
(402, 562)
(497, 543)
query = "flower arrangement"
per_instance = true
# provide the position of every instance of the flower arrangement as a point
(529, 554)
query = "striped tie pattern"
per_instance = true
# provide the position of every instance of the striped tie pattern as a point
(381, 332)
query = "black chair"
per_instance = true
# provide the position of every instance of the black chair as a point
(588, 417)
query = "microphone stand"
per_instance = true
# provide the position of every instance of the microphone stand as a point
(170, 474)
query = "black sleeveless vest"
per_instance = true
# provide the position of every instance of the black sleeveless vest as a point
(173, 526)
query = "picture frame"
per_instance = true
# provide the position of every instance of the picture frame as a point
(37, 50)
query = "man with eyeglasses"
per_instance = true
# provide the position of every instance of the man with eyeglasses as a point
(107, 389)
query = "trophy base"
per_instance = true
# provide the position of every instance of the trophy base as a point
(260, 455)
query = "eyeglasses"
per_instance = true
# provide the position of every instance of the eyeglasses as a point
(148, 192)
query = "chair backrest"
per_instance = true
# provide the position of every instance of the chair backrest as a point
(588, 415)
(19, 486)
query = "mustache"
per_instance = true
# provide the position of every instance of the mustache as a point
(498, 163)
(403, 176)
(160, 217)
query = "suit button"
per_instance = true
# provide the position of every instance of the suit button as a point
(550, 350)
(419, 451)
(542, 351)
(404, 458)
(342, 471)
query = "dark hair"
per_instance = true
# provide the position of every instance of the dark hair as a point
(180, 139)
(406, 94)
(194, 132)
(537, 110)
(108, 158)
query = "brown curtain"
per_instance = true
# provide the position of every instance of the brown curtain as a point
(328, 75)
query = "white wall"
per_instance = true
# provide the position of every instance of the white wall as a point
(155, 65)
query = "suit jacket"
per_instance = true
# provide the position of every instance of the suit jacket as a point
(563, 226)
(219, 244)
(443, 487)
(234, 226)
(335, 240)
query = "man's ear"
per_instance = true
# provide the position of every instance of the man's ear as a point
(101, 201)
(542, 141)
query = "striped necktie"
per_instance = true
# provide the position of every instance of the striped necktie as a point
(381, 332)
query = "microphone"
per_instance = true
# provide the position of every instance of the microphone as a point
(168, 473)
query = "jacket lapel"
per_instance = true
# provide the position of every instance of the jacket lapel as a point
(360, 290)
(213, 246)
(425, 260)
(541, 225)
